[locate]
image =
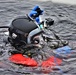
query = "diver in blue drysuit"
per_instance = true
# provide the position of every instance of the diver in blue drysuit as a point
(34, 15)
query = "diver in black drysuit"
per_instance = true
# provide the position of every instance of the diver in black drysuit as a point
(29, 24)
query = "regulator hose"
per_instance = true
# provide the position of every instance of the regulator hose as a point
(4, 27)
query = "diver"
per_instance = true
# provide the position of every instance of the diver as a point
(26, 28)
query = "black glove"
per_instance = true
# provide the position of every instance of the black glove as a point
(39, 12)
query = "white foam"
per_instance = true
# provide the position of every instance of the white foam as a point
(73, 2)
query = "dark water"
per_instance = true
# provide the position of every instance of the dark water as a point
(65, 25)
(64, 15)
